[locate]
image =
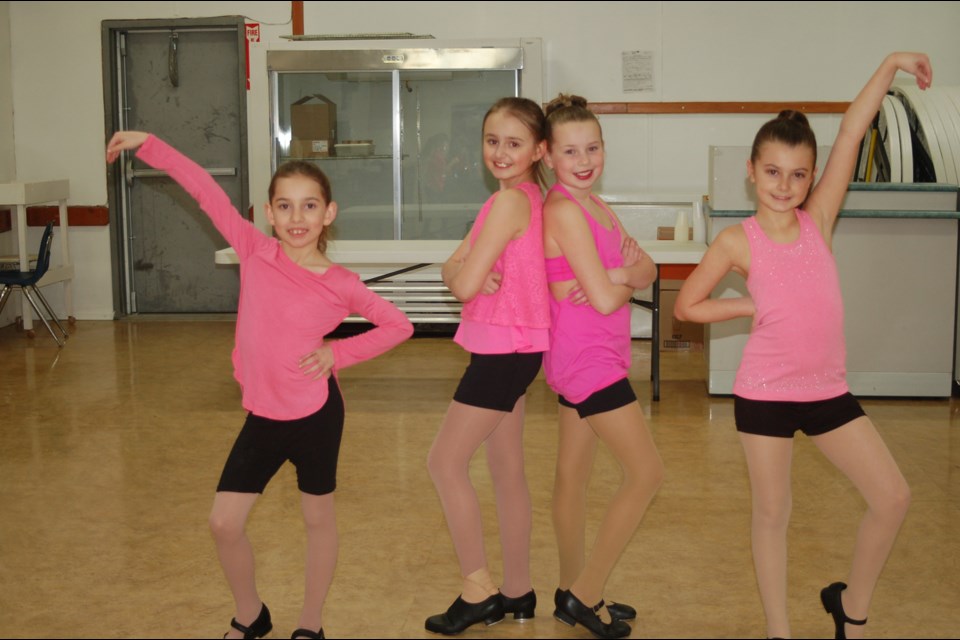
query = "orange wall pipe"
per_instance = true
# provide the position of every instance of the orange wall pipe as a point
(296, 8)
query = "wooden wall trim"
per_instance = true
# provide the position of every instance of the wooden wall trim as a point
(654, 108)
(296, 18)
(38, 216)
(79, 215)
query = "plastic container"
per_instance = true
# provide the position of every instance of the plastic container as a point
(681, 228)
(699, 222)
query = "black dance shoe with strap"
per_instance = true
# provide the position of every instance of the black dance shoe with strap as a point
(571, 611)
(258, 628)
(521, 607)
(617, 610)
(307, 633)
(832, 603)
(462, 614)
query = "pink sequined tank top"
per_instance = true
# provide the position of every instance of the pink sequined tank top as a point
(796, 350)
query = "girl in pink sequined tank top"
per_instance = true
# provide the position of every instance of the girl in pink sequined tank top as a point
(792, 375)
(593, 268)
(498, 273)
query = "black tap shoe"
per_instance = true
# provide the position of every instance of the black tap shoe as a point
(830, 597)
(572, 612)
(462, 614)
(258, 628)
(617, 610)
(522, 607)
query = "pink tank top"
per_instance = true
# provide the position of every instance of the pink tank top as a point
(796, 349)
(517, 316)
(588, 350)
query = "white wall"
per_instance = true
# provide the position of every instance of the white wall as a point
(8, 167)
(704, 51)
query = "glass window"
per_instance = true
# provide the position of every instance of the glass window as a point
(347, 123)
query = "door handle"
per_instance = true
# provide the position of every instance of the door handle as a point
(132, 173)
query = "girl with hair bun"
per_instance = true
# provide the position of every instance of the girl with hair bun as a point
(793, 372)
(593, 267)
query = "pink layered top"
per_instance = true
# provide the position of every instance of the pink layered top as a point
(588, 350)
(284, 310)
(796, 349)
(516, 318)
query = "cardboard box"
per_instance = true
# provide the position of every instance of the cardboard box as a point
(666, 233)
(310, 148)
(676, 335)
(314, 117)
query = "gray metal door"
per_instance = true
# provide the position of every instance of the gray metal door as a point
(181, 84)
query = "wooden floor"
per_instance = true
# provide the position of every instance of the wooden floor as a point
(111, 449)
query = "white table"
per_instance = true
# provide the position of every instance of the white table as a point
(399, 256)
(21, 194)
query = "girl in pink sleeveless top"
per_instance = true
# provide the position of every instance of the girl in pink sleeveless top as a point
(498, 273)
(593, 268)
(793, 375)
(590, 350)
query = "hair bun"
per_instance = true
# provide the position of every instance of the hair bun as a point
(794, 116)
(565, 100)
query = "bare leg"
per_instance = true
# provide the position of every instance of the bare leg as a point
(768, 461)
(859, 452)
(463, 430)
(575, 454)
(228, 520)
(319, 517)
(624, 431)
(514, 512)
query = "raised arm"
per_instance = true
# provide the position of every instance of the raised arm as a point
(468, 272)
(238, 231)
(824, 203)
(124, 141)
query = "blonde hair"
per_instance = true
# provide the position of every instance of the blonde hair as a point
(531, 116)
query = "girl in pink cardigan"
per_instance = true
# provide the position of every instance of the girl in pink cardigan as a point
(291, 296)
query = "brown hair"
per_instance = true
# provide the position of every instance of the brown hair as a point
(312, 172)
(531, 116)
(567, 108)
(789, 127)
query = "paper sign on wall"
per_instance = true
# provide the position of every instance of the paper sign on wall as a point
(637, 68)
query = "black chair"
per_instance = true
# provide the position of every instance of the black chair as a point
(26, 281)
